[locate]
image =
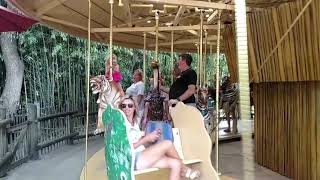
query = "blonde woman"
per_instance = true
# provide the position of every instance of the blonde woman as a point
(160, 155)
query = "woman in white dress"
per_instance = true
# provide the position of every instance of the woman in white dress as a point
(160, 155)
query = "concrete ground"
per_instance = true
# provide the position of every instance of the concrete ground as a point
(234, 164)
(66, 164)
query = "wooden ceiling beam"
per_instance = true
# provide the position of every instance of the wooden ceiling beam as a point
(186, 41)
(151, 29)
(215, 13)
(212, 16)
(127, 10)
(64, 22)
(151, 6)
(194, 32)
(162, 36)
(192, 3)
(179, 15)
(45, 8)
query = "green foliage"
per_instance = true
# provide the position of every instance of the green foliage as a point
(55, 66)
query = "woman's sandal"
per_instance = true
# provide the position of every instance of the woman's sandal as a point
(192, 174)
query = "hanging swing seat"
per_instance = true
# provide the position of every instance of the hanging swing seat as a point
(189, 133)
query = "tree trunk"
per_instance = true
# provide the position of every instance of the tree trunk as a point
(14, 71)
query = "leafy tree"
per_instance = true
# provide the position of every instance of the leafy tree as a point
(55, 66)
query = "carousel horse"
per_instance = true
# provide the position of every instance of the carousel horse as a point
(229, 103)
(118, 150)
(209, 115)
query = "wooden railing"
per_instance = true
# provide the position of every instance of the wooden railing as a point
(25, 135)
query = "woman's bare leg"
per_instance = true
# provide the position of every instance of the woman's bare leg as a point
(174, 164)
(150, 156)
(99, 120)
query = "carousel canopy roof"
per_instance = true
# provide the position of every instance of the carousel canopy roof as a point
(136, 17)
(12, 21)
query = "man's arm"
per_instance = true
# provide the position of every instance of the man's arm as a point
(189, 92)
(140, 93)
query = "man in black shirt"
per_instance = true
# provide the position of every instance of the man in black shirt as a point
(184, 88)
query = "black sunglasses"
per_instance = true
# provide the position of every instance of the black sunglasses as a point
(126, 105)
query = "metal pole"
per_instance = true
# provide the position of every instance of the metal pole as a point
(201, 48)
(144, 56)
(88, 81)
(217, 93)
(157, 35)
(172, 60)
(212, 59)
(205, 58)
(110, 37)
(198, 65)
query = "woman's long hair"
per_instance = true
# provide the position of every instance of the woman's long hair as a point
(135, 113)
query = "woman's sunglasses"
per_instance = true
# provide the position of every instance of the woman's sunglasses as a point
(126, 105)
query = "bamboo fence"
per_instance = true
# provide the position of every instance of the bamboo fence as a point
(287, 128)
(286, 86)
(229, 41)
(297, 56)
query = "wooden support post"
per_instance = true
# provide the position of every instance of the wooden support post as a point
(33, 131)
(3, 133)
(71, 129)
(69, 125)
(243, 74)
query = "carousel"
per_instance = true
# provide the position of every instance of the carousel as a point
(189, 26)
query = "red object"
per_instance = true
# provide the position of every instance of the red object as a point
(11, 21)
(116, 76)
